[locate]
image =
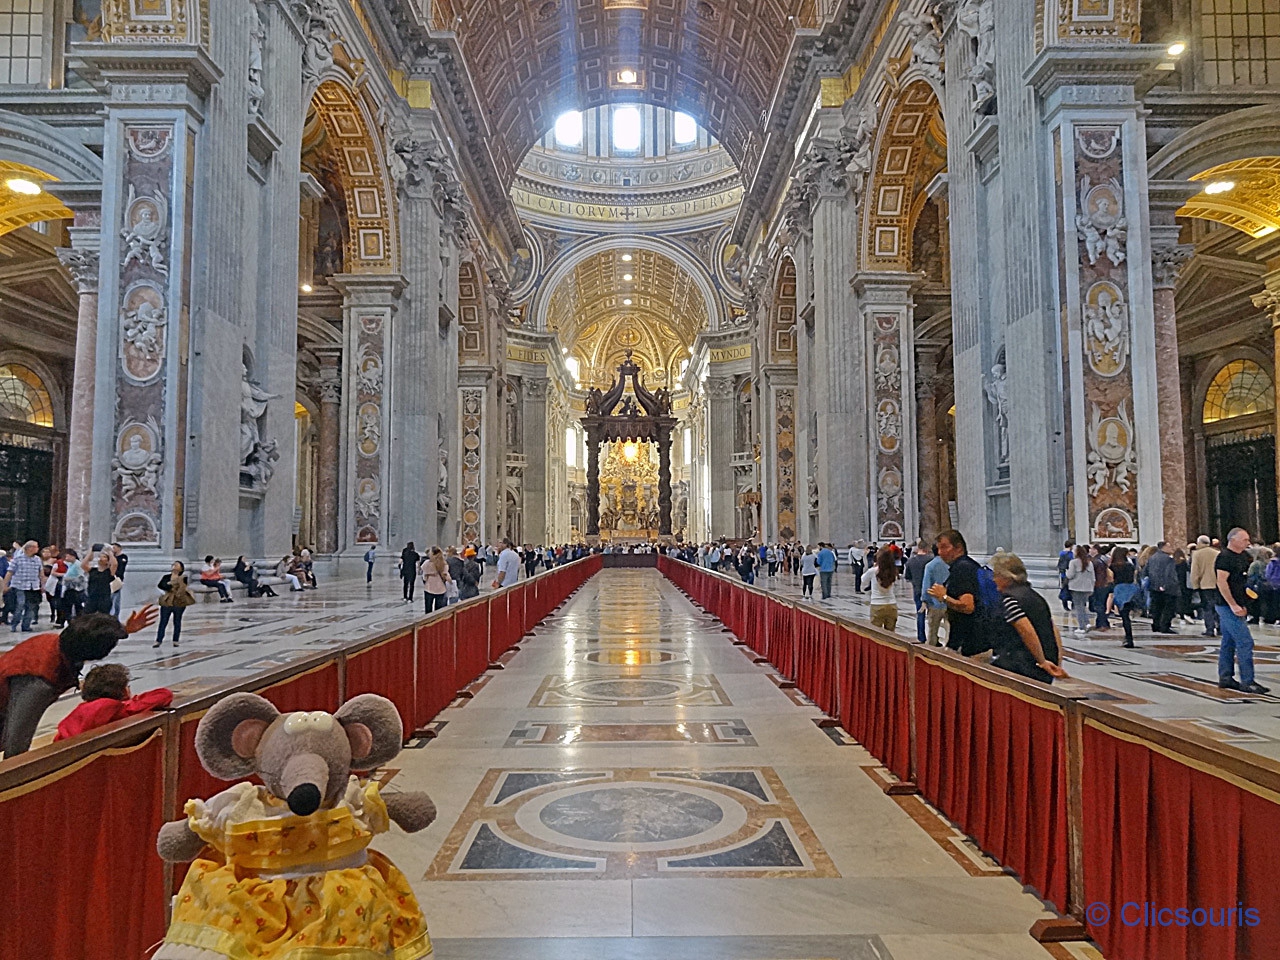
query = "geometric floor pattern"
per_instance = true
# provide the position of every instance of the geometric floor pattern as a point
(631, 786)
(631, 823)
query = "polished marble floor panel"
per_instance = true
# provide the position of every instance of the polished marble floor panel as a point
(623, 806)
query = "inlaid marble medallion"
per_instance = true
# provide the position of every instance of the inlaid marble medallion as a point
(630, 823)
(532, 733)
(631, 690)
(632, 656)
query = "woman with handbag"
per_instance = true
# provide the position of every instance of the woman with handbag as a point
(174, 600)
(435, 580)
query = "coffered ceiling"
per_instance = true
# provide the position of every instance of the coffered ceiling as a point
(719, 60)
(590, 310)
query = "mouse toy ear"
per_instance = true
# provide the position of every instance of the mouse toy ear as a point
(228, 735)
(374, 728)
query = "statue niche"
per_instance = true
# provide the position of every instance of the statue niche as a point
(626, 421)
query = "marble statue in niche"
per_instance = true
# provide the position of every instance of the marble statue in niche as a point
(317, 53)
(143, 322)
(976, 19)
(1101, 222)
(1106, 329)
(443, 500)
(257, 40)
(996, 388)
(138, 462)
(146, 230)
(1112, 457)
(253, 410)
(262, 464)
(926, 43)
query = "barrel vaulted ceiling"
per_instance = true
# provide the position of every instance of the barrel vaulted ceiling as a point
(719, 60)
(599, 314)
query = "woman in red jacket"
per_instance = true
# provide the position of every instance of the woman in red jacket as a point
(42, 668)
(107, 698)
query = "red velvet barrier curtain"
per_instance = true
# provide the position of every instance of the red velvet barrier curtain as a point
(781, 650)
(314, 690)
(815, 660)
(193, 782)
(995, 763)
(387, 670)
(472, 642)
(874, 699)
(755, 619)
(437, 673)
(1158, 831)
(524, 620)
(499, 624)
(79, 878)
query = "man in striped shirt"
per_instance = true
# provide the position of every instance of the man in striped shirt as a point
(26, 579)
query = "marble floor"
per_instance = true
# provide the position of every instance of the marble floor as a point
(1173, 678)
(631, 786)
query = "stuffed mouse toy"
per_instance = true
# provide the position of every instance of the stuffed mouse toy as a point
(289, 873)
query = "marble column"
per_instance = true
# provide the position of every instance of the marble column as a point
(418, 444)
(82, 261)
(722, 398)
(329, 429)
(370, 302)
(534, 426)
(888, 322)
(1269, 301)
(475, 388)
(927, 444)
(839, 354)
(1167, 259)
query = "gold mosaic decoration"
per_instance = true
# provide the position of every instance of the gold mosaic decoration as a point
(1252, 205)
(371, 241)
(19, 209)
(588, 309)
(912, 151)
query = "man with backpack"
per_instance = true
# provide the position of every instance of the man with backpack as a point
(962, 594)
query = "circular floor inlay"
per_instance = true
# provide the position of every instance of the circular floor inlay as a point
(638, 814)
(621, 688)
(633, 658)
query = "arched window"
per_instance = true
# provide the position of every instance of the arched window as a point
(1241, 387)
(23, 396)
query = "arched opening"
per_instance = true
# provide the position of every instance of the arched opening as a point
(1237, 417)
(31, 456)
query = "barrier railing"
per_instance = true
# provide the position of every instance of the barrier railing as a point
(1152, 841)
(79, 876)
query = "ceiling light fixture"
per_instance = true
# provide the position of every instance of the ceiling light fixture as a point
(306, 288)
(627, 277)
(627, 76)
(564, 351)
(1177, 48)
(626, 258)
(626, 302)
(25, 187)
(1220, 186)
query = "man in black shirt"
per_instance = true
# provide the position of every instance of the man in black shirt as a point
(1232, 569)
(960, 594)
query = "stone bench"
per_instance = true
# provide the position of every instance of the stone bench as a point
(208, 594)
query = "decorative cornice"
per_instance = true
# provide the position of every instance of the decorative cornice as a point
(1110, 65)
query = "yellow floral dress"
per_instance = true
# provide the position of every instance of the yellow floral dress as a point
(276, 886)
